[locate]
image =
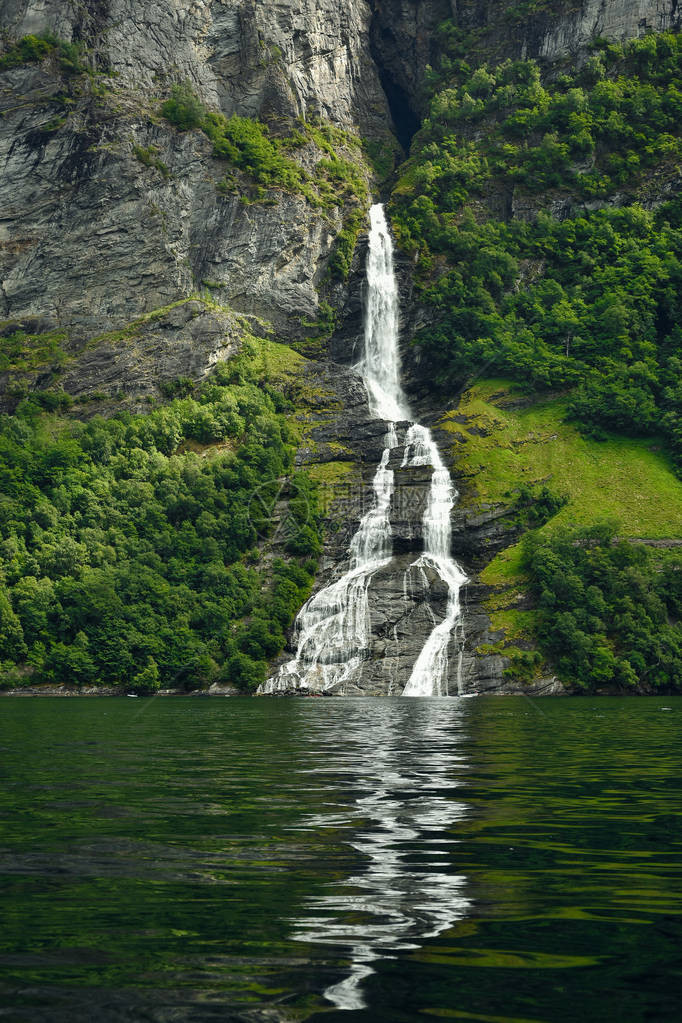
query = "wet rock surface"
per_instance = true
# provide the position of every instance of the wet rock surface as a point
(406, 600)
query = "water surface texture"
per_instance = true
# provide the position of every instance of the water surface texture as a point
(193, 859)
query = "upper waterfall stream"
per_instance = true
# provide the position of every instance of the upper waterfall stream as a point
(334, 628)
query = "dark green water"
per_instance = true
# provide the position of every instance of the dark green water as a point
(492, 859)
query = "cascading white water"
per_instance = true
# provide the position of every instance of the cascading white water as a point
(429, 675)
(334, 629)
(380, 364)
(334, 626)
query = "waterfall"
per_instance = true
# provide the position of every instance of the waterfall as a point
(380, 364)
(429, 675)
(333, 629)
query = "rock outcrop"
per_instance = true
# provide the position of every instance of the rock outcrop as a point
(108, 212)
(308, 57)
(611, 19)
(342, 447)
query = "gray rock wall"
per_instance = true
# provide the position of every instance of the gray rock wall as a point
(91, 238)
(293, 56)
(613, 19)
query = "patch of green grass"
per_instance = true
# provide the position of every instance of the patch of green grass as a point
(279, 363)
(134, 328)
(331, 473)
(331, 478)
(627, 481)
(149, 157)
(518, 625)
(23, 353)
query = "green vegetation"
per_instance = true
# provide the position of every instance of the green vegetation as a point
(32, 49)
(247, 145)
(150, 158)
(527, 202)
(184, 109)
(261, 163)
(515, 452)
(22, 353)
(507, 449)
(131, 546)
(384, 155)
(590, 303)
(321, 329)
(609, 613)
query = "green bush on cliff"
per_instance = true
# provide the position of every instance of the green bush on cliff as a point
(247, 144)
(129, 550)
(29, 49)
(244, 142)
(184, 109)
(609, 612)
(21, 352)
(262, 158)
(33, 49)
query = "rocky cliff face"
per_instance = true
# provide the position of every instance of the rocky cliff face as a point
(342, 447)
(113, 232)
(305, 57)
(612, 19)
(91, 237)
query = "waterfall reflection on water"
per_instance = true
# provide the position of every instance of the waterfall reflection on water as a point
(401, 769)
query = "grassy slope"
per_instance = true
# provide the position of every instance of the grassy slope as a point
(629, 481)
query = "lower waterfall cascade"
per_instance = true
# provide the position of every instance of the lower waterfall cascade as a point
(334, 628)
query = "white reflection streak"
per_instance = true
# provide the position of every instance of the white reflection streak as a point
(402, 902)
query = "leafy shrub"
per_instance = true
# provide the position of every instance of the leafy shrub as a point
(262, 158)
(184, 109)
(32, 49)
(150, 158)
(609, 615)
(244, 672)
(147, 681)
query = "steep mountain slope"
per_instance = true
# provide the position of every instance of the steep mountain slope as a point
(540, 204)
(135, 236)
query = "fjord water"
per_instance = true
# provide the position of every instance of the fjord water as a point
(391, 860)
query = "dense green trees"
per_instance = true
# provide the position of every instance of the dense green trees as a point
(609, 612)
(534, 204)
(129, 558)
(589, 300)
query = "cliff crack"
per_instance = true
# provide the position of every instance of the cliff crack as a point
(5, 299)
(316, 55)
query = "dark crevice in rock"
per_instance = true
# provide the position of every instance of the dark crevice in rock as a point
(406, 119)
(402, 44)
